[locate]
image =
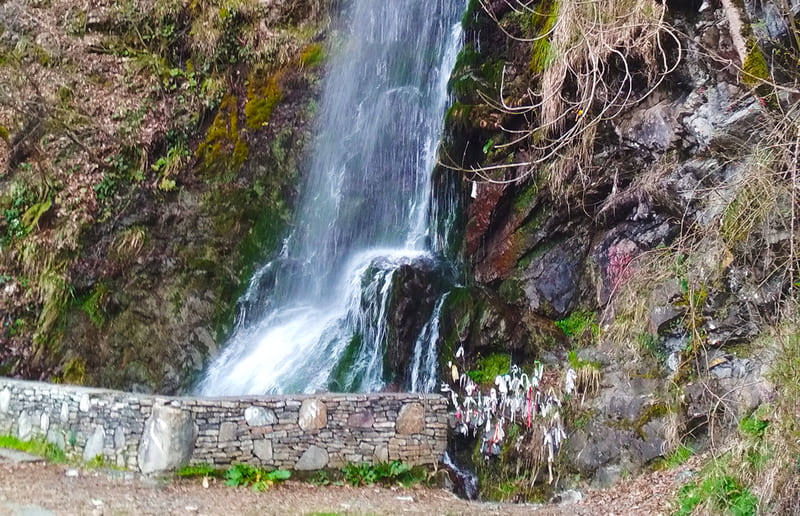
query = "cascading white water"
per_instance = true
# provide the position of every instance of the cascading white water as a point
(425, 358)
(363, 213)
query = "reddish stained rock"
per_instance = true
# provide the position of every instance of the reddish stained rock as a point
(360, 420)
(480, 214)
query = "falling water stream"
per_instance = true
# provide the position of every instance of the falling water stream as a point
(364, 211)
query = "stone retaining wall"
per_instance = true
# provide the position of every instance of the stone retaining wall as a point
(159, 433)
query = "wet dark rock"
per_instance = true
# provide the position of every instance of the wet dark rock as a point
(416, 288)
(730, 324)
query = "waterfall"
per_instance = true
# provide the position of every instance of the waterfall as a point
(425, 358)
(315, 317)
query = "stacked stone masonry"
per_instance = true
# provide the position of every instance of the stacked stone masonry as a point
(158, 433)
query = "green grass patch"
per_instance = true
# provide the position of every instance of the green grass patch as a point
(387, 473)
(576, 323)
(313, 55)
(39, 447)
(678, 457)
(199, 471)
(576, 363)
(489, 367)
(753, 426)
(722, 494)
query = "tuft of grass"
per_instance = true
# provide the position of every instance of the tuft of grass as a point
(129, 243)
(96, 462)
(753, 426)
(94, 305)
(312, 55)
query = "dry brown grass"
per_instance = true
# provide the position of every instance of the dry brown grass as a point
(605, 57)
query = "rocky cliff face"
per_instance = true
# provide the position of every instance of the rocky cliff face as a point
(639, 187)
(149, 158)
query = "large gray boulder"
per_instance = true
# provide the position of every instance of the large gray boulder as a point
(95, 444)
(168, 440)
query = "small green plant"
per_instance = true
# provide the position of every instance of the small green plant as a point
(576, 323)
(94, 304)
(649, 342)
(259, 479)
(359, 474)
(753, 426)
(96, 462)
(320, 478)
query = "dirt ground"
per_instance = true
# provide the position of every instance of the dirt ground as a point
(37, 488)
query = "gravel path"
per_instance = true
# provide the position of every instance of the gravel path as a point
(38, 489)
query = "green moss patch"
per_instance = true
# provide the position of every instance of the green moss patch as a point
(222, 151)
(576, 323)
(263, 93)
(38, 447)
(312, 55)
(754, 66)
(338, 381)
(542, 21)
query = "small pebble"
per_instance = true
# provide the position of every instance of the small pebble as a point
(71, 472)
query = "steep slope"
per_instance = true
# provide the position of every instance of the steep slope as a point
(629, 172)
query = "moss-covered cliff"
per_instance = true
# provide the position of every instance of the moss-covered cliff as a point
(150, 154)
